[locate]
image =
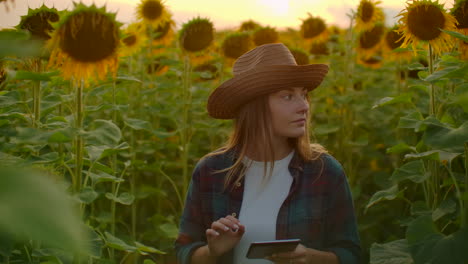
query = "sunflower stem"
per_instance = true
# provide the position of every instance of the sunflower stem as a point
(185, 125)
(79, 139)
(432, 109)
(37, 95)
(465, 223)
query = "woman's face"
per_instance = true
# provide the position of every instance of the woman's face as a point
(287, 107)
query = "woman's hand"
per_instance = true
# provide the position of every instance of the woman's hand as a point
(223, 235)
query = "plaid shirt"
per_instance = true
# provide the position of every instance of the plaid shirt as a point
(318, 209)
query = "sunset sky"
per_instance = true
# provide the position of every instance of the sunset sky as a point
(224, 14)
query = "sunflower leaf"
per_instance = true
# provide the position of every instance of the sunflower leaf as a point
(456, 35)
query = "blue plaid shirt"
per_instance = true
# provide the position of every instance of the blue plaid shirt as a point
(318, 209)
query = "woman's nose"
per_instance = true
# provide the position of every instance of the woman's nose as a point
(303, 105)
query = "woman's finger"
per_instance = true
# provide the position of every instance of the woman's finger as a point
(220, 227)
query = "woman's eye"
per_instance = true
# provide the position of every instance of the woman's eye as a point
(287, 96)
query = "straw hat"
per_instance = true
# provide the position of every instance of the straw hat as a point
(265, 69)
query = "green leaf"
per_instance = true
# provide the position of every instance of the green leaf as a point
(103, 177)
(19, 44)
(114, 242)
(449, 72)
(456, 34)
(104, 133)
(403, 98)
(45, 158)
(128, 78)
(88, 195)
(401, 148)
(34, 76)
(148, 261)
(446, 207)
(170, 230)
(32, 206)
(388, 194)
(427, 245)
(138, 124)
(6, 101)
(395, 252)
(413, 171)
(147, 249)
(124, 198)
(325, 129)
(440, 136)
(412, 120)
(416, 66)
(62, 135)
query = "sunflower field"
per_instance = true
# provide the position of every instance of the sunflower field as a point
(102, 123)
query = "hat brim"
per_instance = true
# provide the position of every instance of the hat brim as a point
(225, 101)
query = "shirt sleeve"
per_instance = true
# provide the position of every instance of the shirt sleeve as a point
(191, 230)
(342, 237)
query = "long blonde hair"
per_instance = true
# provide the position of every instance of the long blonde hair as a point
(252, 126)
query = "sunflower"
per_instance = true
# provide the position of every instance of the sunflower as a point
(157, 67)
(85, 43)
(164, 33)
(422, 21)
(249, 25)
(206, 71)
(301, 56)
(393, 41)
(3, 74)
(373, 62)
(134, 39)
(38, 20)
(314, 29)
(460, 12)
(236, 44)
(196, 35)
(319, 48)
(368, 14)
(153, 12)
(370, 41)
(264, 35)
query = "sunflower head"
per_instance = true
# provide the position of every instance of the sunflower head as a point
(314, 28)
(236, 44)
(157, 66)
(422, 21)
(368, 14)
(3, 75)
(152, 12)
(133, 40)
(85, 43)
(38, 22)
(370, 40)
(249, 25)
(164, 33)
(460, 12)
(206, 71)
(196, 35)
(373, 62)
(392, 41)
(265, 35)
(301, 56)
(319, 48)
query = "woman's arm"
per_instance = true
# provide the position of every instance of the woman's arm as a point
(202, 256)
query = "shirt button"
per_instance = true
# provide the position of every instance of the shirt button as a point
(238, 184)
(234, 214)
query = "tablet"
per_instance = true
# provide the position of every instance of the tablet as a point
(262, 249)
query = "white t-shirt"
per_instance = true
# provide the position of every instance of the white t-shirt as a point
(261, 204)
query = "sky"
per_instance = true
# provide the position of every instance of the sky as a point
(224, 14)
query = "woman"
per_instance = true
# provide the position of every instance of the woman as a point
(268, 182)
